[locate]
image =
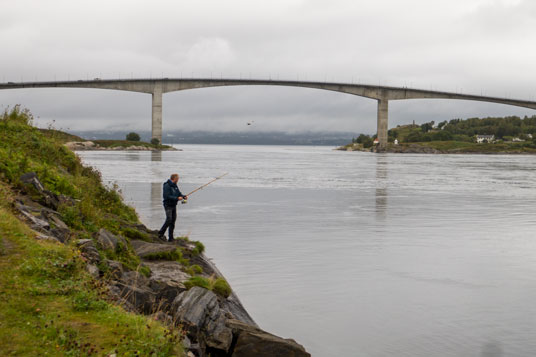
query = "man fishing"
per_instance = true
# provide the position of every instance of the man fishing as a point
(172, 195)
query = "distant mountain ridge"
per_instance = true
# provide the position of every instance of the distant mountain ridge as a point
(231, 138)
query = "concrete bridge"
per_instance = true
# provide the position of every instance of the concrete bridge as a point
(157, 87)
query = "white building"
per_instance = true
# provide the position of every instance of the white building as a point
(485, 138)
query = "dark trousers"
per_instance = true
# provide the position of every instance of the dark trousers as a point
(171, 217)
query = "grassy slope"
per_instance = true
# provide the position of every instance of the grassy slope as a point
(49, 305)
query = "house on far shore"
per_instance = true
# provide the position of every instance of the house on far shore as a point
(485, 138)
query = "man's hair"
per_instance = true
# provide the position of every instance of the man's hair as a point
(174, 176)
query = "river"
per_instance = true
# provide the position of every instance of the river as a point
(359, 254)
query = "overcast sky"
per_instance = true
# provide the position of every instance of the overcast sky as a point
(473, 46)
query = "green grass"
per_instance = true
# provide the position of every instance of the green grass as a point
(468, 147)
(126, 143)
(50, 306)
(194, 270)
(24, 148)
(60, 135)
(217, 285)
(135, 234)
(198, 249)
(173, 255)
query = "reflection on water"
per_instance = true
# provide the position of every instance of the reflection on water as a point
(356, 254)
(156, 155)
(381, 187)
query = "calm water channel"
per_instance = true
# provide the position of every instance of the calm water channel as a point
(359, 254)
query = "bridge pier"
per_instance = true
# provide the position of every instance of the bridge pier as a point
(382, 125)
(156, 127)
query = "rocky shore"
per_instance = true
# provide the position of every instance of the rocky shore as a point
(415, 148)
(214, 323)
(90, 145)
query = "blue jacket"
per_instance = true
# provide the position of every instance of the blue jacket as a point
(171, 193)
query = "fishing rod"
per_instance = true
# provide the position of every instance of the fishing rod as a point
(202, 187)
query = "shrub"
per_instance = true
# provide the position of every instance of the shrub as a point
(170, 255)
(197, 281)
(199, 248)
(133, 137)
(194, 270)
(155, 141)
(221, 287)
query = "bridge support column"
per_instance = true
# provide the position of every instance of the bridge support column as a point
(383, 114)
(157, 113)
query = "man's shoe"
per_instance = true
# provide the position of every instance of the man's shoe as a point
(162, 237)
(171, 239)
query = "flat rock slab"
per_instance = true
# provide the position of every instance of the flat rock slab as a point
(167, 272)
(144, 249)
(253, 341)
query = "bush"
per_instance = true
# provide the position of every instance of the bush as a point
(197, 281)
(171, 255)
(221, 287)
(155, 141)
(133, 136)
(199, 248)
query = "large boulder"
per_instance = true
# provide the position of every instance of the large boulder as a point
(214, 331)
(198, 311)
(133, 288)
(148, 250)
(108, 240)
(167, 280)
(252, 341)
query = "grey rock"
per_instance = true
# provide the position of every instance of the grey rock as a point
(108, 240)
(134, 278)
(144, 249)
(35, 222)
(252, 341)
(88, 249)
(31, 178)
(49, 199)
(233, 305)
(93, 270)
(133, 288)
(63, 235)
(115, 268)
(167, 280)
(55, 219)
(41, 236)
(198, 310)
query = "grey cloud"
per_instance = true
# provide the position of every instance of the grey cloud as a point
(457, 45)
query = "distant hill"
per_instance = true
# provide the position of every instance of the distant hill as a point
(232, 138)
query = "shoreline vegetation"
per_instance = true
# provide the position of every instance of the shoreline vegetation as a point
(508, 135)
(80, 275)
(77, 143)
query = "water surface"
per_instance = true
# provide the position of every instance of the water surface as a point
(358, 254)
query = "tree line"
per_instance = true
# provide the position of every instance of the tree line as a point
(503, 128)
